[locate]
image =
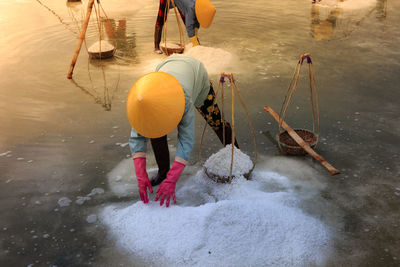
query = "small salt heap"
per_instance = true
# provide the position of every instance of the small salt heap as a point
(106, 49)
(219, 164)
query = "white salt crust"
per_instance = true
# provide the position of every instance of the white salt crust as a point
(238, 224)
(104, 45)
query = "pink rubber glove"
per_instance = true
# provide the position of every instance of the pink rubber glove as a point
(143, 179)
(167, 187)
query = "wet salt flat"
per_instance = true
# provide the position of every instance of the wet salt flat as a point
(223, 225)
(68, 191)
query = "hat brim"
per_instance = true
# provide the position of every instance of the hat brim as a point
(155, 104)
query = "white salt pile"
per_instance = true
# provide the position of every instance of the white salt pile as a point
(215, 60)
(352, 4)
(257, 222)
(357, 4)
(106, 49)
(220, 163)
(103, 45)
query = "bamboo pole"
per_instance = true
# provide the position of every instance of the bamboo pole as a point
(233, 126)
(81, 38)
(332, 170)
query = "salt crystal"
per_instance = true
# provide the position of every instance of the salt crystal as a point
(80, 200)
(96, 191)
(123, 145)
(92, 218)
(64, 202)
(220, 162)
(91, 142)
(5, 153)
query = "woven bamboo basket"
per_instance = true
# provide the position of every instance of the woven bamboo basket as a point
(172, 48)
(107, 50)
(228, 178)
(223, 179)
(289, 145)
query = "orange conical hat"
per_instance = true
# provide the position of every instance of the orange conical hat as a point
(205, 12)
(155, 104)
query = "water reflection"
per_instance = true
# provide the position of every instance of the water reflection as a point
(104, 93)
(125, 44)
(340, 16)
(381, 7)
(322, 29)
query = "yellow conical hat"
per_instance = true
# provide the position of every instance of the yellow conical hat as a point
(155, 104)
(205, 12)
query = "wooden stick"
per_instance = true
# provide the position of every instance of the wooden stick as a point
(81, 38)
(332, 170)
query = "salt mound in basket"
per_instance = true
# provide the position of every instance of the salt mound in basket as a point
(217, 167)
(172, 48)
(101, 49)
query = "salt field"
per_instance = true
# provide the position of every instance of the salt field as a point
(69, 195)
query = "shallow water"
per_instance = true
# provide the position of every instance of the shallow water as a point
(63, 138)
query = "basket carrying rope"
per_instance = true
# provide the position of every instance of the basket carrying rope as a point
(181, 45)
(234, 88)
(101, 49)
(311, 136)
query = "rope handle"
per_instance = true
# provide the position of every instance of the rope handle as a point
(99, 23)
(230, 78)
(313, 94)
(164, 33)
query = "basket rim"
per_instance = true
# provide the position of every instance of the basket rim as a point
(223, 179)
(297, 146)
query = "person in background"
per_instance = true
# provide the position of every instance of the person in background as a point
(158, 103)
(160, 24)
(186, 9)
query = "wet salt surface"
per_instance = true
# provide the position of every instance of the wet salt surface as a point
(259, 221)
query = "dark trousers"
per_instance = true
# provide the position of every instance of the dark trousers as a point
(211, 113)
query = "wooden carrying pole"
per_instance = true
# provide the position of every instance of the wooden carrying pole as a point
(332, 170)
(81, 38)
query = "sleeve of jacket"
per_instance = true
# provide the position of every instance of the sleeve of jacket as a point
(186, 134)
(137, 143)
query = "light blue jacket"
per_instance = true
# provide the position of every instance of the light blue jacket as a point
(194, 80)
(187, 7)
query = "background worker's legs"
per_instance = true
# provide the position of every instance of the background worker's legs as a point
(210, 112)
(161, 153)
